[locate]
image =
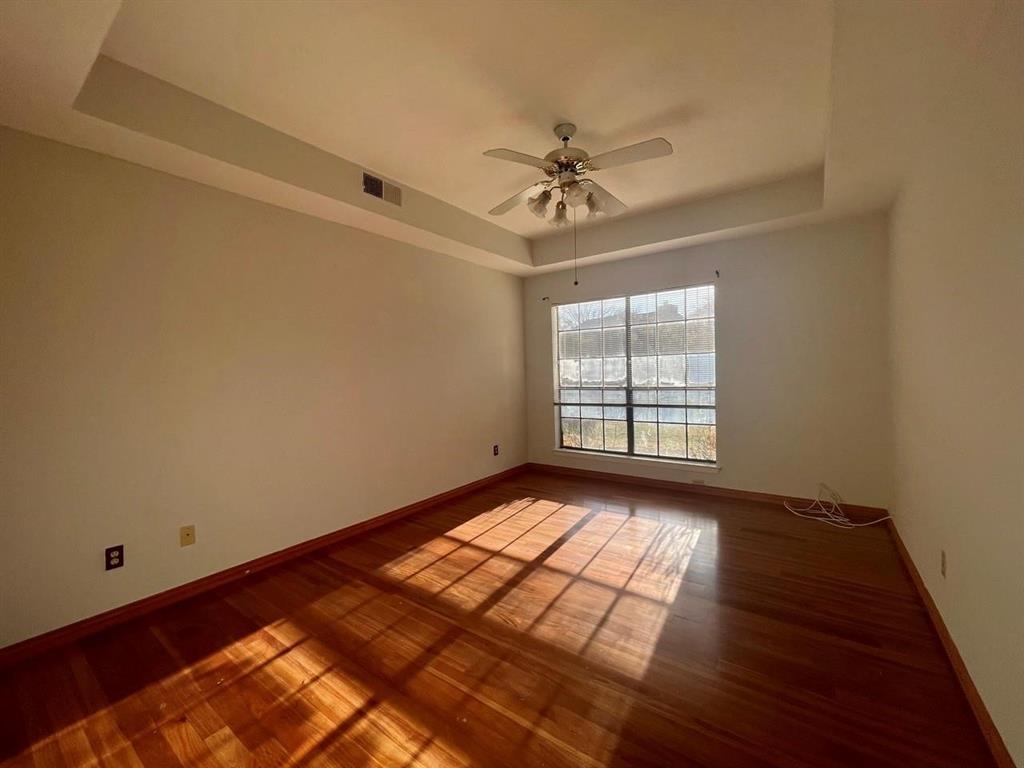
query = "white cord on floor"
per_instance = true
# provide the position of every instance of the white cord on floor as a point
(829, 510)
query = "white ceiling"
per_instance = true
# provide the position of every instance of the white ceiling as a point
(418, 90)
(821, 101)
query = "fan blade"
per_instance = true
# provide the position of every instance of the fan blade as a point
(634, 153)
(608, 202)
(516, 199)
(518, 157)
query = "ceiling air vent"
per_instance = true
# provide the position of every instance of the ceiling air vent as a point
(380, 188)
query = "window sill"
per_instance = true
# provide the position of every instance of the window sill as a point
(689, 466)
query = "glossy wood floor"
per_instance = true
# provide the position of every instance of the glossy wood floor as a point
(544, 621)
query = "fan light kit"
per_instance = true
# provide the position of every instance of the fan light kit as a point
(566, 169)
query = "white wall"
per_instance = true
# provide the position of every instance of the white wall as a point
(958, 358)
(174, 354)
(802, 357)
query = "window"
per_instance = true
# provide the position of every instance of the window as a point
(636, 374)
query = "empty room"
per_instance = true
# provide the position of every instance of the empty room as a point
(513, 383)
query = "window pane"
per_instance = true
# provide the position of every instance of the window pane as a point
(641, 340)
(615, 371)
(615, 438)
(700, 302)
(590, 372)
(590, 314)
(642, 309)
(700, 396)
(672, 370)
(569, 373)
(615, 342)
(700, 415)
(672, 440)
(670, 306)
(700, 336)
(701, 442)
(644, 371)
(590, 343)
(645, 414)
(645, 439)
(569, 344)
(671, 338)
(676, 415)
(614, 311)
(593, 434)
(571, 433)
(568, 317)
(615, 396)
(700, 370)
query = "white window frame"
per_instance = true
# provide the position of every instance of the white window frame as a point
(683, 400)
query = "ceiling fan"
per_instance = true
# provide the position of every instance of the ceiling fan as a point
(566, 168)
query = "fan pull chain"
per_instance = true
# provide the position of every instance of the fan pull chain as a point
(575, 272)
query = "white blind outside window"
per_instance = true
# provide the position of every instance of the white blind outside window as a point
(635, 375)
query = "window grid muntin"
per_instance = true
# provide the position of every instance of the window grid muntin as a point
(689, 419)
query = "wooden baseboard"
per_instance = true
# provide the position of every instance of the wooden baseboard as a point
(856, 512)
(67, 634)
(988, 728)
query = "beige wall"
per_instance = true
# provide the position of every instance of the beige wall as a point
(802, 318)
(174, 354)
(958, 358)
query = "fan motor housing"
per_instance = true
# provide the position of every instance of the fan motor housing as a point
(568, 159)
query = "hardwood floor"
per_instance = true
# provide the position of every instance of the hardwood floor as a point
(542, 621)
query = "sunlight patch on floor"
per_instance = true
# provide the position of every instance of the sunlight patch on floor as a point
(613, 576)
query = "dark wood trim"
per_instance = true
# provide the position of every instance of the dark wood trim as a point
(856, 512)
(988, 728)
(67, 634)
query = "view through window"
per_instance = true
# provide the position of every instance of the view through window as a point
(636, 374)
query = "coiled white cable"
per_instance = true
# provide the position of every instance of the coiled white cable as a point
(829, 510)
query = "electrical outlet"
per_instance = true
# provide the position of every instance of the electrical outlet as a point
(942, 566)
(188, 535)
(698, 481)
(495, 449)
(114, 557)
